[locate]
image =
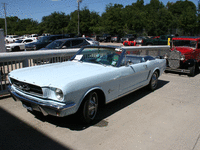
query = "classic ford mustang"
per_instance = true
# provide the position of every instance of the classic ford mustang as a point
(95, 75)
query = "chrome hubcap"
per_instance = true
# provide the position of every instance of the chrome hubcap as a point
(154, 80)
(93, 104)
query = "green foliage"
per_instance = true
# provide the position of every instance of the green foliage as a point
(151, 19)
(55, 23)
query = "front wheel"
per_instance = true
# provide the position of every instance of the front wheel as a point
(89, 108)
(16, 49)
(154, 81)
(192, 71)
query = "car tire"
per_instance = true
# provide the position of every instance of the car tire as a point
(154, 81)
(16, 49)
(89, 107)
(192, 70)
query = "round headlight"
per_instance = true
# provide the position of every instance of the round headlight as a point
(166, 56)
(182, 57)
(59, 94)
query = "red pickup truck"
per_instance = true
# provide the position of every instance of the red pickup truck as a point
(184, 55)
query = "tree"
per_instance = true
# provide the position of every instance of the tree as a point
(55, 23)
(112, 20)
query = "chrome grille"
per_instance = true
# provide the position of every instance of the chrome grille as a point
(26, 87)
(174, 59)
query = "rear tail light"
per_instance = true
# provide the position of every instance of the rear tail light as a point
(142, 41)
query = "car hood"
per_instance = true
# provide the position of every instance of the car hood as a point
(33, 43)
(54, 74)
(14, 44)
(184, 50)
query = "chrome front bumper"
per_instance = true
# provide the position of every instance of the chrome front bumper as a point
(45, 108)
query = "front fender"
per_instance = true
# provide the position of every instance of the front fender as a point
(189, 63)
(87, 92)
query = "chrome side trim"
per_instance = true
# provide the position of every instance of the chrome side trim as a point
(127, 93)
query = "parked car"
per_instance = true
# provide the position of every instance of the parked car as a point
(105, 38)
(157, 40)
(18, 45)
(34, 37)
(42, 42)
(184, 55)
(95, 75)
(11, 38)
(91, 41)
(115, 38)
(128, 37)
(139, 40)
(67, 43)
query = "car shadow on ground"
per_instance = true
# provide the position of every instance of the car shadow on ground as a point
(72, 122)
(18, 135)
(181, 73)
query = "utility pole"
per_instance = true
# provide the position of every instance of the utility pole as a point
(4, 6)
(78, 1)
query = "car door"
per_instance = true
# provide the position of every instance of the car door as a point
(133, 76)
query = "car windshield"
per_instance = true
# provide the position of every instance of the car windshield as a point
(18, 41)
(55, 45)
(104, 56)
(44, 39)
(187, 43)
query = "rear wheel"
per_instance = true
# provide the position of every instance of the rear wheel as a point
(89, 108)
(154, 81)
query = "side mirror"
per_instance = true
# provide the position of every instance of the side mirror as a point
(128, 63)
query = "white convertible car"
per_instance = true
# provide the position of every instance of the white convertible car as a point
(95, 75)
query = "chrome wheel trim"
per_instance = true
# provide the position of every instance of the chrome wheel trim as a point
(93, 105)
(154, 80)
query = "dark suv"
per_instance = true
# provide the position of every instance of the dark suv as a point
(128, 37)
(67, 43)
(105, 38)
(42, 42)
